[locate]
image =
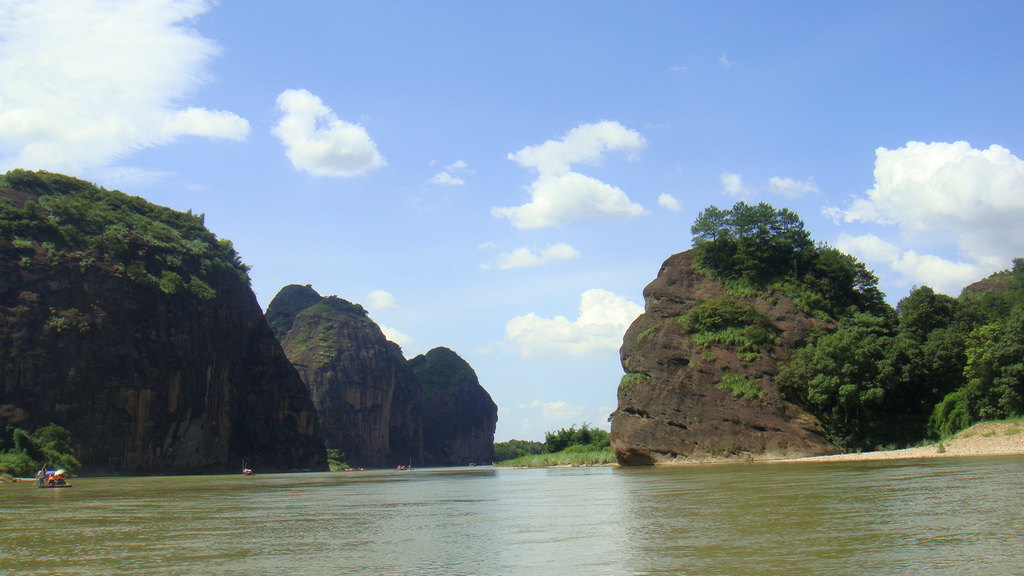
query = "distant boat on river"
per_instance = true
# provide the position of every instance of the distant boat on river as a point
(52, 479)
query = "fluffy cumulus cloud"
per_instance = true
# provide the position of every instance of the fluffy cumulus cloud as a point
(87, 82)
(939, 191)
(603, 319)
(791, 188)
(669, 202)
(525, 257)
(941, 274)
(868, 247)
(559, 194)
(910, 267)
(943, 193)
(318, 143)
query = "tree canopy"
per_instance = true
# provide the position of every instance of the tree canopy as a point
(933, 367)
(64, 219)
(23, 452)
(764, 247)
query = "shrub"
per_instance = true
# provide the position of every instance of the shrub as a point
(572, 436)
(740, 387)
(729, 322)
(633, 378)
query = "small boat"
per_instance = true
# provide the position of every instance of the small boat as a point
(52, 479)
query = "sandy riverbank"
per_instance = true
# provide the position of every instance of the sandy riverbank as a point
(985, 439)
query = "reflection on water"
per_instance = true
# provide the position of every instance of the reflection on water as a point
(943, 516)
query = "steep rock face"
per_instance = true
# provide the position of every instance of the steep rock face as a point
(366, 395)
(155, 358)
(459, 417)
(672, 406)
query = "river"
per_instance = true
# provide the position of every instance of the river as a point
(924, 517)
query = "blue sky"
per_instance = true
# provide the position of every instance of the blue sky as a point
(504, 178)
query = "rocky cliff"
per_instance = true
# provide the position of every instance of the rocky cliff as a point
(135, 328)
(459, 417)
(366, 395)
(697, 395)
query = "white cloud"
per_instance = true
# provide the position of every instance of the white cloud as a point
(941, 274)
(560, 195)
(724, 61)
(448, 177)
(585, 143)
(948, 192)
(317, 142)
(669, 202)
(525, 257)
(791, 188)
(208, 123)
(558, 410)
(603, 319)
(732, 184)
(380, 300)
(868, 247)
(403, 340)
(557, 200)
(912, 268)
(536, 417)
(86, 82)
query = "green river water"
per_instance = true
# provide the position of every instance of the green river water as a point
(928, 517)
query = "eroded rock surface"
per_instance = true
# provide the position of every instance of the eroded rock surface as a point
(459, 417)
(129, 325)
(672, 407)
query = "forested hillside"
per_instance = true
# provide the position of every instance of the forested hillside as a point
(930, 367)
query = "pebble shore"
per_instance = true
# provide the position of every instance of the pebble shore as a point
(985, 439)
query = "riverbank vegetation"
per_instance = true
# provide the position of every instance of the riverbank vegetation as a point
(22, 453)
(884, 376)
(583, 446)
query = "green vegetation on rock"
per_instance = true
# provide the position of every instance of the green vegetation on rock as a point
(765, 249)
(740, 387)
(63, 219)
(633, 378)
(730, 322)
(883, 376)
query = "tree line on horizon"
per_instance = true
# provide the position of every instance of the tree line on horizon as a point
(571, 439)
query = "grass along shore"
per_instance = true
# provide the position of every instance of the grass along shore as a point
(572, 456)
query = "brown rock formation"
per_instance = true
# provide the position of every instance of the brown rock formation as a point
(147, 376)
(671, 407)
(366, 395)
(459, 417)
